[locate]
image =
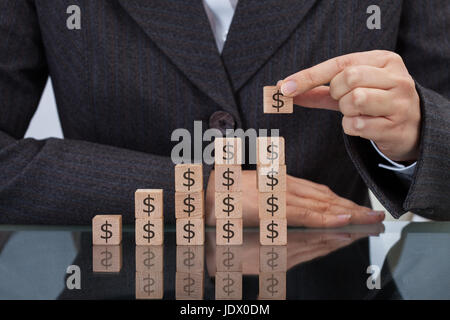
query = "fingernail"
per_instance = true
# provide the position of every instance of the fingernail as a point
(289, 88)
(375, 213)
(344, 216)
(359, 123)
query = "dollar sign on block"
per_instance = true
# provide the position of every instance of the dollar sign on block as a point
(271, 179)
(149, 258)
(106, 259)
(273, 232)
(228, 151)
(190, 231)
(149, 285)
(228, 205)
(227, 178)
(229, 258)
(272, 258)
(275, 102)
(228, 285)
(148, 203)
(272, 205)
(188, 177)
(149, 232)
(272, 286)
(189, 205)
(229, 232)
(270, 151)
(190, 259)
(107, 230)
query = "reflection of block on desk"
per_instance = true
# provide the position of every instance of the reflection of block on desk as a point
(149, 285)
(149, 258)
(190, 232)
(149, 232)
(272, 205)
(228, 151)
(272, 286)
(271, 178)
(228, 285)
(189, 177)
(227, 178)
(107, 230)
(148, 203)
(189, 286)
(273, 258)
(229, 231)
(229, 258)
(228, 205)
(275, 102)
(273, 232)
(270, 151)
(189, 205)
(190, 259)
(106, 259)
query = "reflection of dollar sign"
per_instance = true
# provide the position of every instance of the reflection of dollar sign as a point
(227, 228)
(191, 233)
(273, 233)
(273, 155)
(273, 181)
(226, 176)
(108, 233)
(149, 282)
(277, 99)
(149, 206)
(273, 283)
(150, 233)
(272, 261)
(190, 181)
(105, 261)
(230, 207)
(228, 284)
(273, 206)
(227, 262)
(188, 262)
(150, 255)
(188, 286)
(189, 205)
(228, 154)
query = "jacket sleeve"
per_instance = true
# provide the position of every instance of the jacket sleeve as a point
(424, 44)
(58, 181)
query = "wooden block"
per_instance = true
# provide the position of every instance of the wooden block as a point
(229, 258)
(276, 102)
(229, 231)
(149, 232)
(190, 231)
(148, 203)
(149, 259)
(228, 151)
(107, 230)
(189, 286)
(273, 232)
(229, 286)
(273, 258)
(190, 259)
(228, 205)
(272, 205)
(189, 177)
(227, 178)
(271, 179)
(189, 205)
(106, 258)
(272, 286)
(270, 151)
(149, 285)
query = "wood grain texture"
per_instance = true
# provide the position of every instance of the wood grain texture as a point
(190, 231)
(228, 205)
(189, 204)
(227, 178)
(272, 205)
(277, 237)
(189, 177)
(149, 203)
(229, 231)
(149, 232)
(111, 234)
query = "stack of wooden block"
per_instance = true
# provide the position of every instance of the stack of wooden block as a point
(189, 204)
(189, 276)
(271, 181)
(228, 192)
(149, 272)
(149, 216)
(106, 240)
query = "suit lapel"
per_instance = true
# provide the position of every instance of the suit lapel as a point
(258, 29)
(181, 30)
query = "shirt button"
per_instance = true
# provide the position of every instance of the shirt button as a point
(221, 120)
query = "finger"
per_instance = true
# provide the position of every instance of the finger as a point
(373, 128)
(305, 217)
(319, 98)
(370, 217)
(360, 76)
(368, 102)
(324, 72)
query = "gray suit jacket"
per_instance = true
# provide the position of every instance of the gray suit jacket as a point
(138, 69)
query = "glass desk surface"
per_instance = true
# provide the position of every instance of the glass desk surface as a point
(393, 260)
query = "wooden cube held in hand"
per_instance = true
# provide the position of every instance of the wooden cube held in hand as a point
(275, 102)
